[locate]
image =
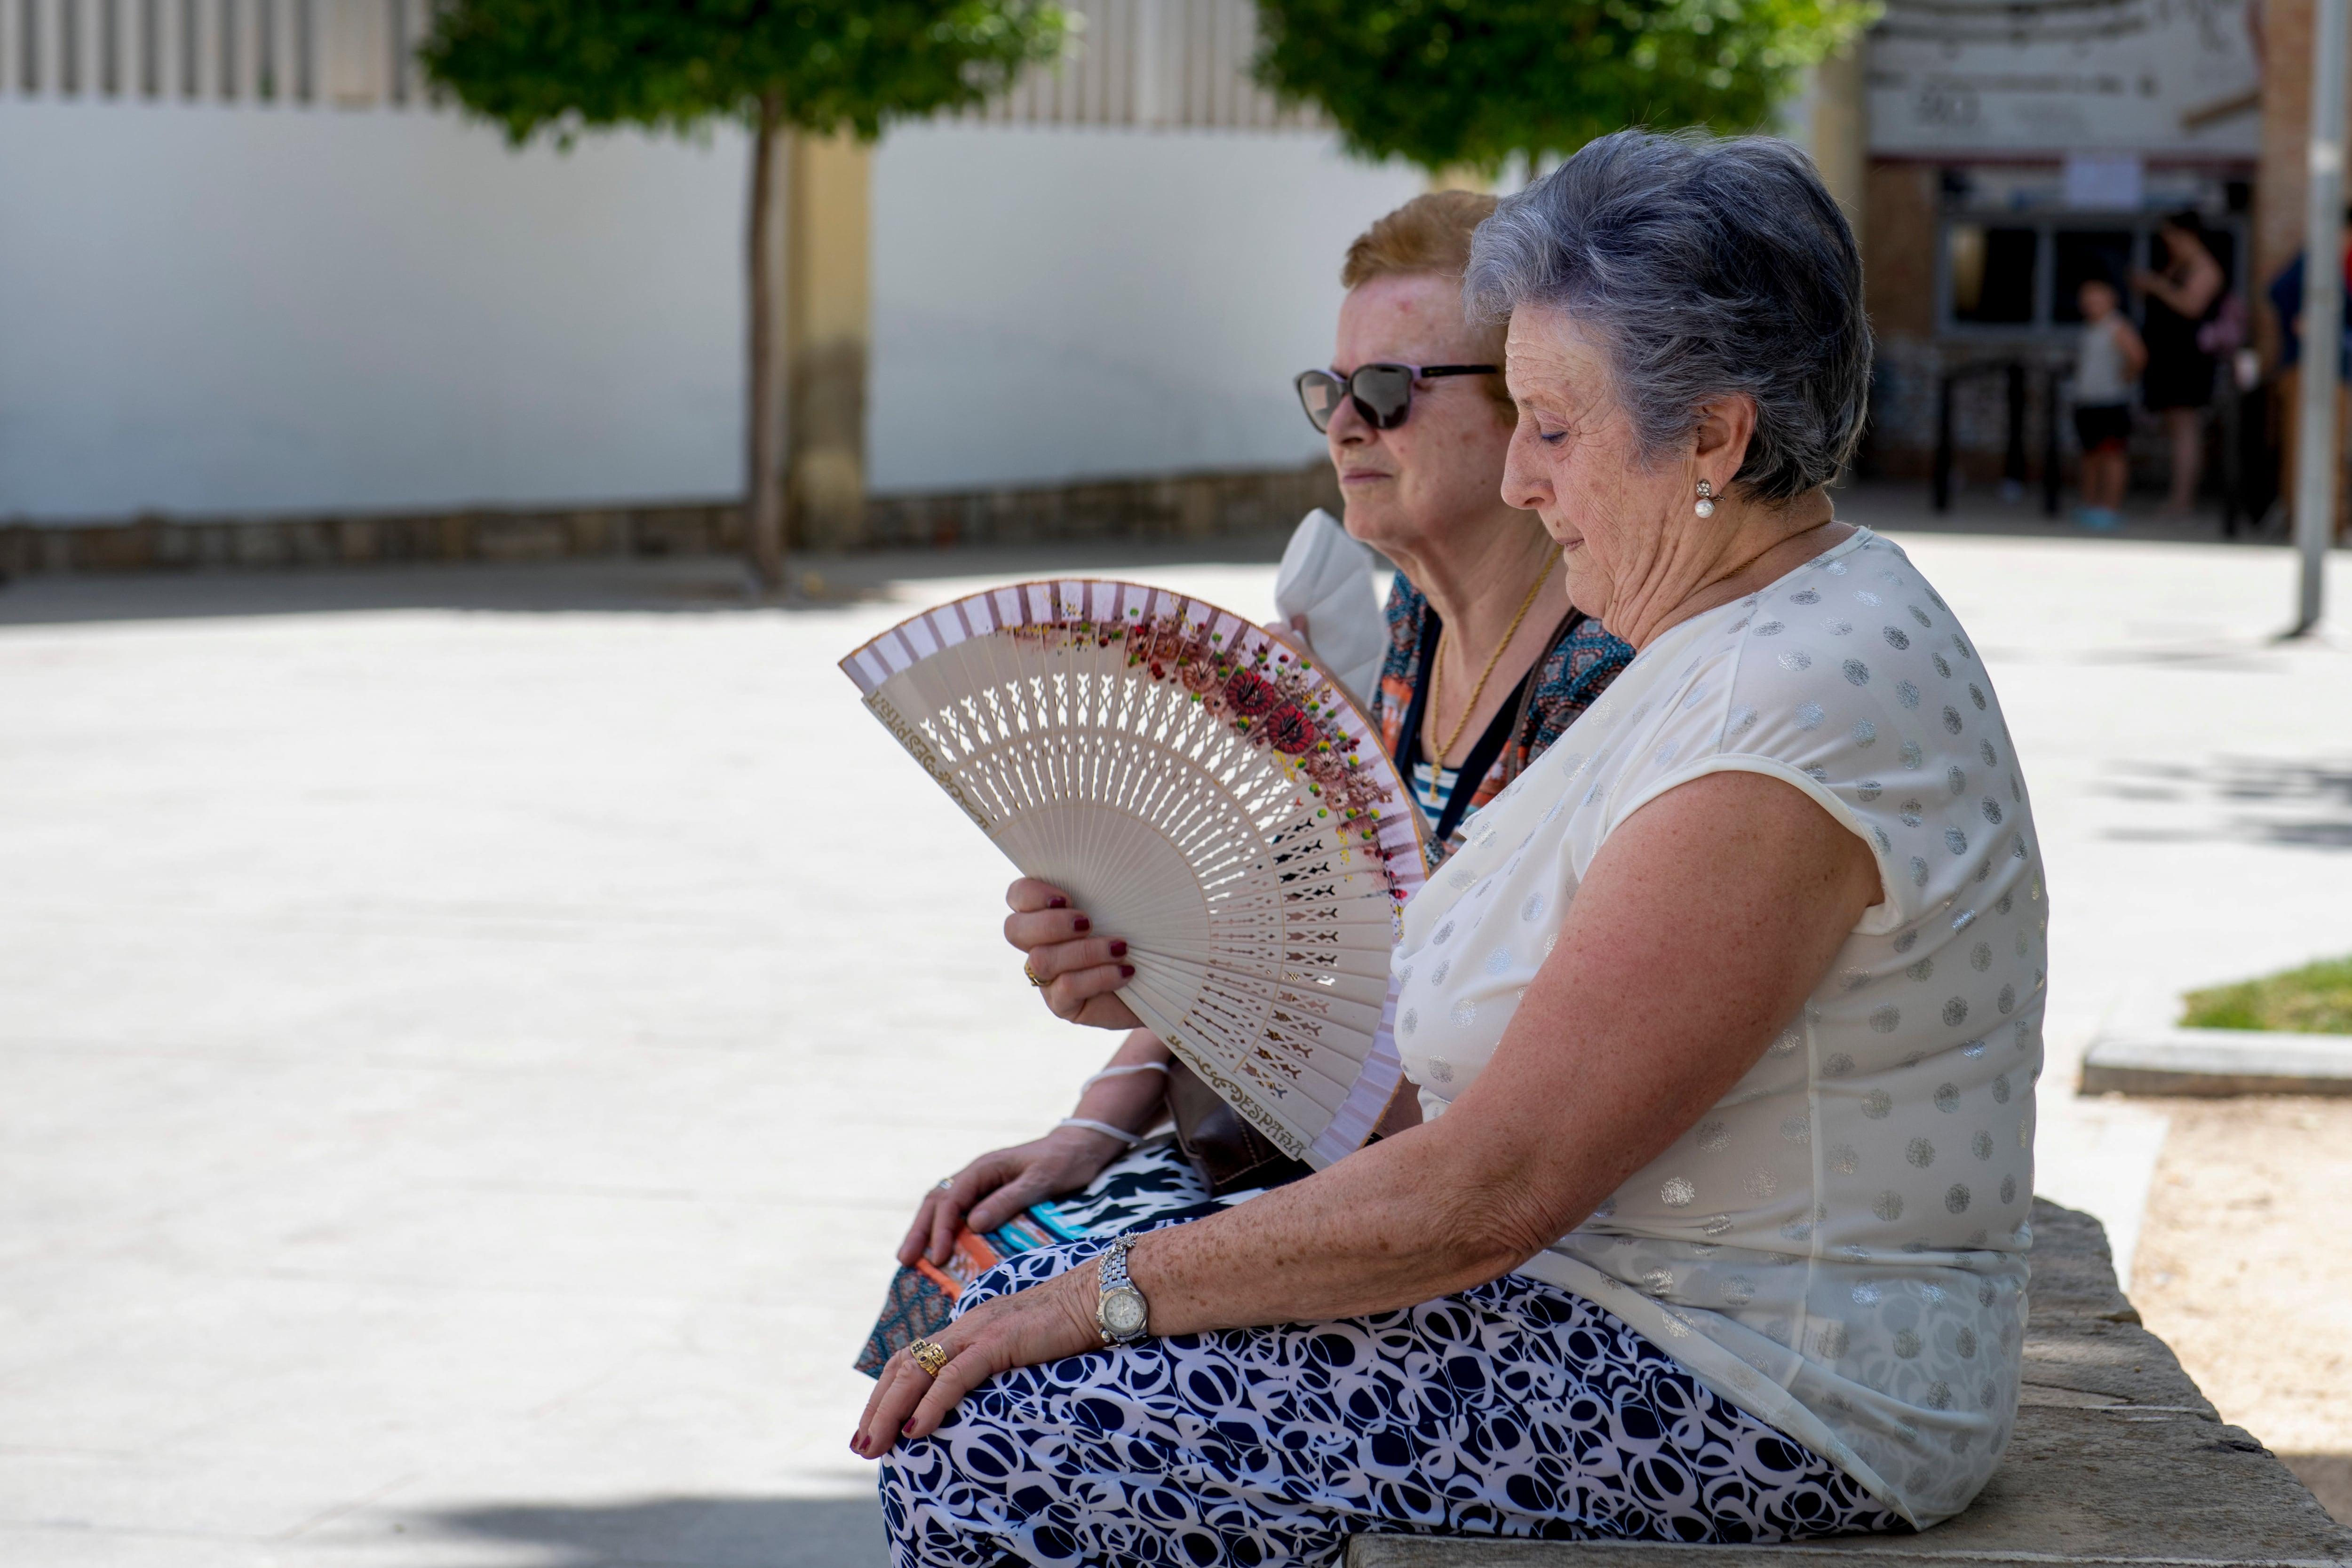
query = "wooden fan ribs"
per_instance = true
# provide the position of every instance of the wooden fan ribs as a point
(1248, 836)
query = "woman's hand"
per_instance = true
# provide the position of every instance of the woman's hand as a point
(1044, 1322)
(1080, 972)
(1000, 1184)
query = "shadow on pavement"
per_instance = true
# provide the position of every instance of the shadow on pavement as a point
(2303, 803)
(695, 584)
(689, 1531)
(675, 584)
(717, 584)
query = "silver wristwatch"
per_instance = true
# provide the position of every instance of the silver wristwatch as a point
(1120, 1313)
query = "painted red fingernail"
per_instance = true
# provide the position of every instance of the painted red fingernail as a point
(1057, 904)
(1082, 923)
(1118, 949)
(909, 1429)
(1126, 971)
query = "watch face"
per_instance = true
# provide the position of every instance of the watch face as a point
(1123, 1313)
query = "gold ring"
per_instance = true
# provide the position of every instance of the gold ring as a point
(1031, 973)
(931, 1357)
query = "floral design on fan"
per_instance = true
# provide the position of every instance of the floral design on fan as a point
(1269, 696)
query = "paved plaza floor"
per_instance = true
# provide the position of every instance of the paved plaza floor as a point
(470, 1037)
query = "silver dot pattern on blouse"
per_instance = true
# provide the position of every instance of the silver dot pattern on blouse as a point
(1883, 1138)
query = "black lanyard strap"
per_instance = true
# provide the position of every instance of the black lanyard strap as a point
(1491, 741)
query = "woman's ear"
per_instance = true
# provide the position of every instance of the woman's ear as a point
(1719, 444)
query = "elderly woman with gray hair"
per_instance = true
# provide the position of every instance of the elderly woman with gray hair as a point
(1726, 1020)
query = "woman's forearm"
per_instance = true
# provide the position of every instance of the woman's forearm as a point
(1398, 1222)
(2191, 296)
(1131, 1090)
(1599, 1069)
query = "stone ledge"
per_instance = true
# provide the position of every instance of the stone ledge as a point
(2117, 1459)
(2220, 1062)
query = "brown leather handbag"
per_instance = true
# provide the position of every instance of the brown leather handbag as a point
(1231, 1154)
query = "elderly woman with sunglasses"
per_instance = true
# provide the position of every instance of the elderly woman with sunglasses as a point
(1727, 1017)
(1487, 663)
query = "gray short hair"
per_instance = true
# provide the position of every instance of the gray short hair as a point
(1701, 265)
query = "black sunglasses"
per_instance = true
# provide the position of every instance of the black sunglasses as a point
(1383, 393)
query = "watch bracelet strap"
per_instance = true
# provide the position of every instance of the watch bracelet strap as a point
(1114, 1267)
(1112, 1276)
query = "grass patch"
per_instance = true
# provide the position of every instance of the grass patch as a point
(2314, 1000)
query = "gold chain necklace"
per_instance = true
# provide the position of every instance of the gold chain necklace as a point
(1437, 670)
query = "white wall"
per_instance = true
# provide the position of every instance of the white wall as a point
(1051, 302)
(209, 308)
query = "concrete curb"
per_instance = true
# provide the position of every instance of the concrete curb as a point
(2218, 1061)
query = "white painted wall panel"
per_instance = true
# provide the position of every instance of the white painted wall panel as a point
(210, 309)
(1053, 302)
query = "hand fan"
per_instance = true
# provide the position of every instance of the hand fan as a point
(1203, 790)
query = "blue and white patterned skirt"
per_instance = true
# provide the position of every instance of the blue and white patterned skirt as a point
(1512, 1409)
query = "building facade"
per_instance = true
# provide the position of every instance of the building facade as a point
(249, 273)
(2016, 150)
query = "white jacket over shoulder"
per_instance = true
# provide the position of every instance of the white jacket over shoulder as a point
(1839, 1246)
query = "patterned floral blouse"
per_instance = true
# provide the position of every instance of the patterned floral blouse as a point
(1584, 660)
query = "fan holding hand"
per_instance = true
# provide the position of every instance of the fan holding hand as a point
(1486, 663)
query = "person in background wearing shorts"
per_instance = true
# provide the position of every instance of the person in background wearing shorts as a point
(2110, 357)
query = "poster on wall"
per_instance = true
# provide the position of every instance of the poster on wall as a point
(2159, 78)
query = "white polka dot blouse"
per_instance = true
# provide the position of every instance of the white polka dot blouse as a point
(1839, 1246)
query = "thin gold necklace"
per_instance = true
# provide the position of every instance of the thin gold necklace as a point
(1437, 672)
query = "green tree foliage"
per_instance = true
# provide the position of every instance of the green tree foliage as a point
(1470, 83)
(564, 66)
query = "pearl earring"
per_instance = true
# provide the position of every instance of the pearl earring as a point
(1705, 507)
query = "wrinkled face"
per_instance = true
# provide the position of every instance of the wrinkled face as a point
(1411, 490)
(1574, 460)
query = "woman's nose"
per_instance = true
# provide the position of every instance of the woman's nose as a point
(1524, 486)
(1348, 427)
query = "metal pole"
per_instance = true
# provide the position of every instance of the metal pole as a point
(2316, 458)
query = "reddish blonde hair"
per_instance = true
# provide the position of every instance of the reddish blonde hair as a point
(1429, 236)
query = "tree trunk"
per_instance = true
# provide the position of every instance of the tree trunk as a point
(763, 484)
(827, 317)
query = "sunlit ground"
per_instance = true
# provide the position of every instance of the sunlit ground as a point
(471, 1035)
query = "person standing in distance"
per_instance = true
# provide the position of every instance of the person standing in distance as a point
(2109, 359)
(2182, 299)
